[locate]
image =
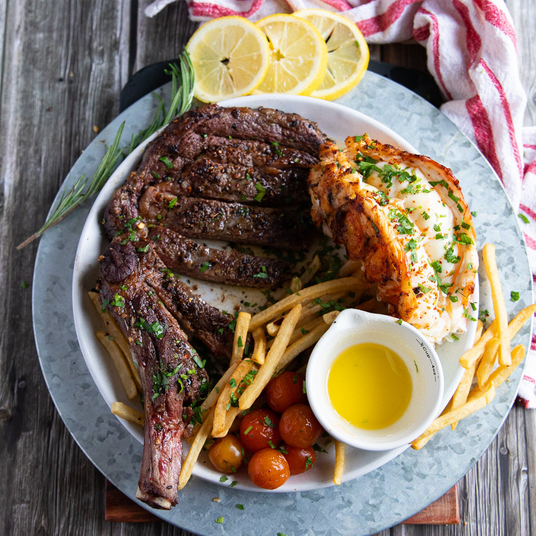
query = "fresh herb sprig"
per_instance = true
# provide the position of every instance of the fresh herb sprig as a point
(182, 91)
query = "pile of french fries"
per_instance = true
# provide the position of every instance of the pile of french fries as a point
(292, 325)
(491, 348)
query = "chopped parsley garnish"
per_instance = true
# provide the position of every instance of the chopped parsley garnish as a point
(205, 266)
(304, 389)
(261, 192)
(453, 299)
(404, 225)
(161, 380)
(450, 257)
(198, 362)
(143, 249)
(277, 149)
(425, 215)
(399, 322)
(172, 203)
(514, 296)
(483, 315)
(523, 218)
(272, 446)
(412, 246)
(118, 301)
(318, 448)
(220, 519)
(233, 483)
(239, 343)
(223, 478)
(166, 162)
(262, 274)
(240, 506)
(308, 463)
(462, 238)
(248, 430)
(304, 332)
(268, 422)
(424, 290)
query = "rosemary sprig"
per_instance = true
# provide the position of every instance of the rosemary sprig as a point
(182, 86)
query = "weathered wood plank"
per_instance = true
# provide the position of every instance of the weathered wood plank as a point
(59, 78)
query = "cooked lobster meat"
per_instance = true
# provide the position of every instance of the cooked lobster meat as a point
(405, 217)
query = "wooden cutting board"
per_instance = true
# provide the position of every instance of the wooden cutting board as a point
(119, 508)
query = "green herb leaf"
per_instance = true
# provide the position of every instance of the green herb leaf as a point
(240, 506)
(514, 296)
(223, 478)
(219, 520)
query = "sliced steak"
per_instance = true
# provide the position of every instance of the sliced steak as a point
(170, 376)
(242, 224)
(190, 258)
(186, 137)
(235, 182)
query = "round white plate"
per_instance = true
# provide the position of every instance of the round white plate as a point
(337, 122)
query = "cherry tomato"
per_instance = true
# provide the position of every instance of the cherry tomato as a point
(259, 430)
(285, 390)
(298, 426)
(299, 459)
(226, 454)
(268, 469)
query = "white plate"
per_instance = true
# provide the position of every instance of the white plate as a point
(337, 122)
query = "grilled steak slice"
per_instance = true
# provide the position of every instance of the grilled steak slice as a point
(200, 218)
(257, 153)
(187, 257)
(170, 376)
(186, 137)
(235, 182)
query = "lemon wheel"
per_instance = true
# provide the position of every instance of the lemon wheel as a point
(348, 53)
(298, 56)
(230, 56)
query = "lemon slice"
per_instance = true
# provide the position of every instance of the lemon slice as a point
(298, 56)
(230, 56)
(348, 53)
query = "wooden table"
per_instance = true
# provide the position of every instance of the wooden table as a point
(63, 64)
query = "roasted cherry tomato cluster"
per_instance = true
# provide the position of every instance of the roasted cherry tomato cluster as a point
(280, 438)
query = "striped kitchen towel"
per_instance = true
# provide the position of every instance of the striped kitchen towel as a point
(471, 48)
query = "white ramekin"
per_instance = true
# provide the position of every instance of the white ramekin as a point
(353, 327)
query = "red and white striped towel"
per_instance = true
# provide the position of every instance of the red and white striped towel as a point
(471, 47)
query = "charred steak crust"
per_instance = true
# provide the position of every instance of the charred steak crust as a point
(170, 374)
(231, 267)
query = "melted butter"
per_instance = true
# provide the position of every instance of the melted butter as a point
(369, 386)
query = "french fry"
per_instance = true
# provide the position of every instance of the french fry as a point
(499, 307)
(120, 364)
(273, 327)
(230, 417)
(487, 362)
(337, 285)
(259, 352)
(213, 396)
(501, 373)
(302, 344)
(329, 318)
(462, 392)
(348, 268)
(128, 413)
(310, 271)
(340, 450)
(515, 325)
(113, 329)
(272, 359)
(296, 285)
(240, 336)
(300, 331)
(472, 405)
(195, 449)
(311, 310)
(224, 399)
